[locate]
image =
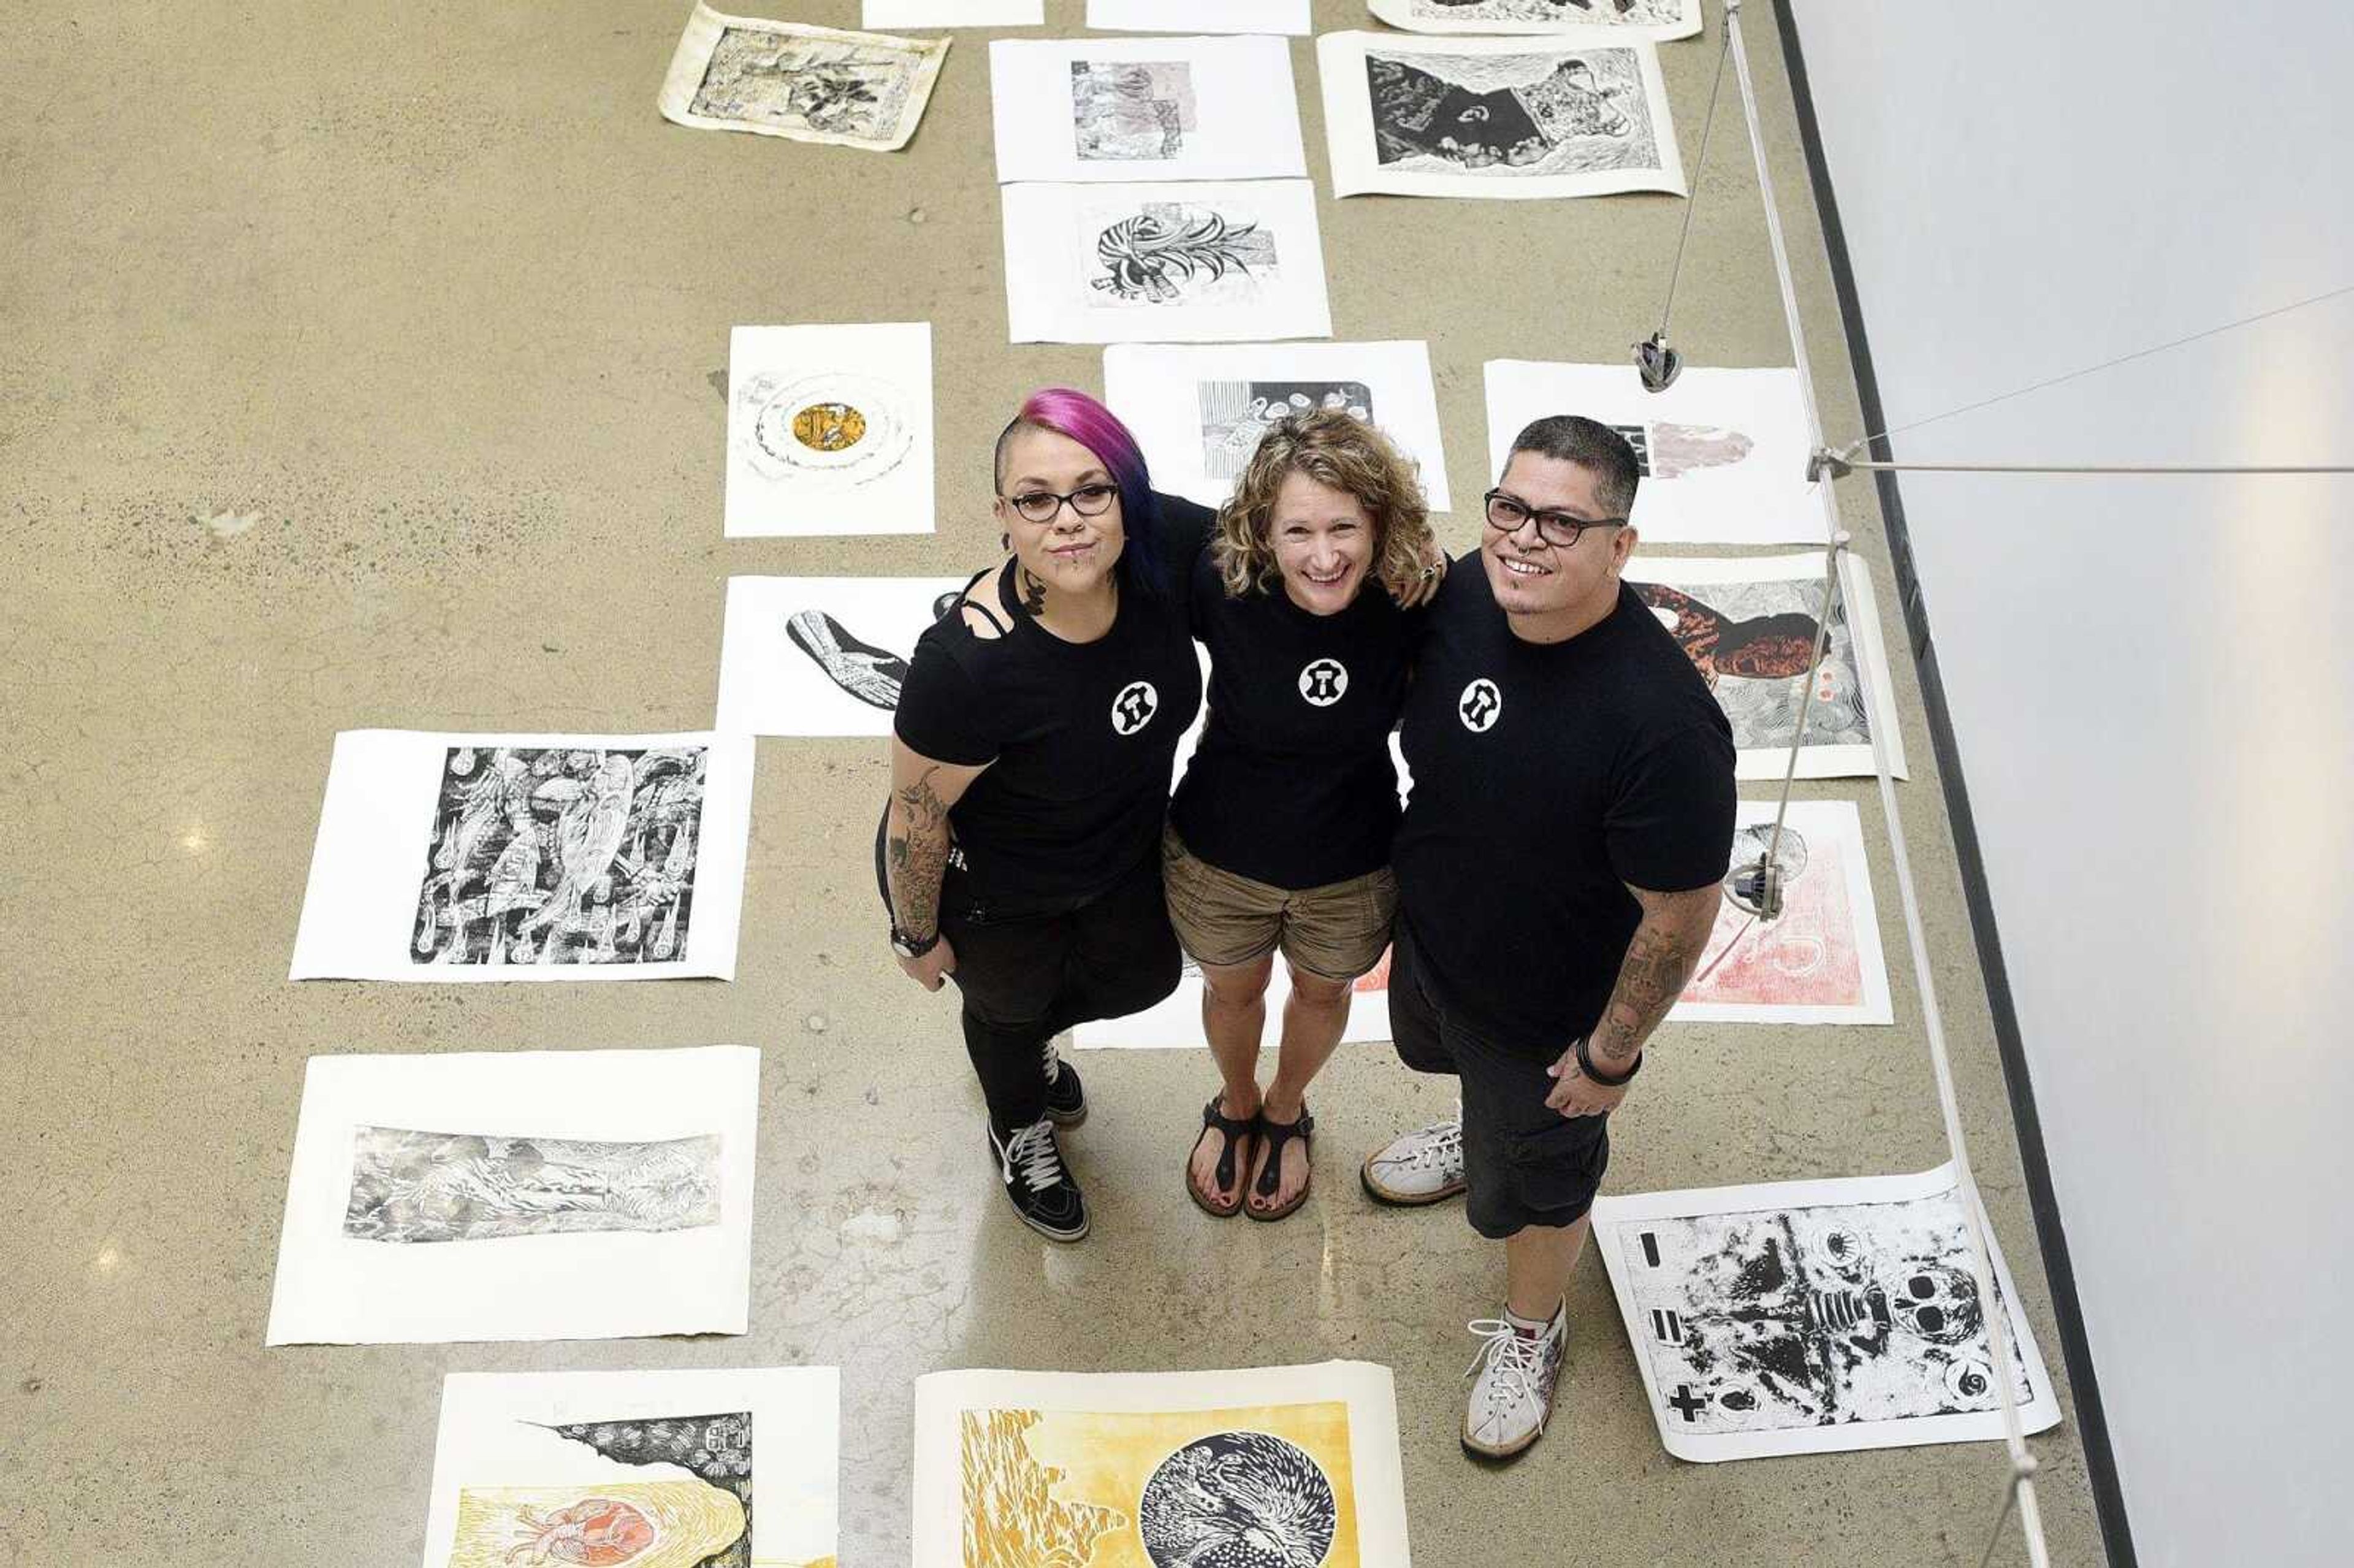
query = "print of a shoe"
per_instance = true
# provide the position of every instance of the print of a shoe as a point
(870, 675)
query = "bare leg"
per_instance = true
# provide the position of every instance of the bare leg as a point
(1312, 1021)
(1234, 1016)
(1537, 1263)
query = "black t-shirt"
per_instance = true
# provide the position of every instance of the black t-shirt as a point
(1292, 782)
(1547, 779)
(1080, 736)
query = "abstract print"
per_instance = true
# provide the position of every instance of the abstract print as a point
(1752, 643)
(840, 89)
(409, 1186)
(1815, 1315)
(824, 432)
(1237, 1499)
(1236, 414)
(1171, 253)
(1512, 115)
(561, 856)
(1131, 109)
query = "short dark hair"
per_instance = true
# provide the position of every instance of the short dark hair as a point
(1592, 446)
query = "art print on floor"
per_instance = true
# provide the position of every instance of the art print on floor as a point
(953, 13)
(469, 857)
(1722, 452)
(1814, 1317)
(823, 656)
(1658, 20)
(1201, 262)
(829, 429)
(519, 1195)
(705, 1469)
(1104, 110)
(1276, 1465)
(1200, 413)
(1749, 627)
(1290, 16)
(1820, 961)
(806, 84)
(1525, 118)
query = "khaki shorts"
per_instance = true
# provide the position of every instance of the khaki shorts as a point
(1335, 932)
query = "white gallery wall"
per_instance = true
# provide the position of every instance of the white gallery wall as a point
(2151, 680)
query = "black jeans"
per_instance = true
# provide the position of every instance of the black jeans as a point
(1026, 979)
(1527, 1165)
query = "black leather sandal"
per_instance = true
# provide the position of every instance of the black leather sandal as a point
(1273, 1136)
(1231, 1165)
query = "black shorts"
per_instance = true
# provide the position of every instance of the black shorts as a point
(1527, 1163)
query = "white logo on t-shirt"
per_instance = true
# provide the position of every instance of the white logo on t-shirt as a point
(1134, 707)
(1323, 681)
(1480, 706)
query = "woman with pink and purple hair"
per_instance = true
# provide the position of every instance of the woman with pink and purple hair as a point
(1030, 765)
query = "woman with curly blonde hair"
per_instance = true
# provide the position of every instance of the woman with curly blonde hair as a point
(1278, 837)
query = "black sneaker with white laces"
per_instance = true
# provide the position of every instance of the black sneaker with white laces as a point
(1066, 1100)
(1031, 1162)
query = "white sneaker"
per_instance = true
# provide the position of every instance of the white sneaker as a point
(1416, 1168)
(1512, 1383)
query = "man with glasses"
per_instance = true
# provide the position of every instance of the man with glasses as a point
(1570, 814)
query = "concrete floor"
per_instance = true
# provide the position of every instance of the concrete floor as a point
(364, 367)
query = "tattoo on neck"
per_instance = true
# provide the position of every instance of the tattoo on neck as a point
(1034, 592)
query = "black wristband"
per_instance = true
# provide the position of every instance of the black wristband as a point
(1585, 1065)
(908, 946)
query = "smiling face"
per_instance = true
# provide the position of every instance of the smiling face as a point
(1550, 593)
(1323, 540)
(1071, 554)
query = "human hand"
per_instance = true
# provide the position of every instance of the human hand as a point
(1434, 572)
(934, 967)
(1575, 1094)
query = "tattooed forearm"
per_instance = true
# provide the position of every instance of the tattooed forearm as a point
(1034, 592)
(915, 853)
(1659, 965)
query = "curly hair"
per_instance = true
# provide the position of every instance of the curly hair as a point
(1336, 450)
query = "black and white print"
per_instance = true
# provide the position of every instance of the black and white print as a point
(1201, 412)
(1509, 117)
(809, 84)
(568, 1195)
(410, 1186)
(1749, 628)
(1200, 262)
(823, 656)
(570, 855)
(1237, 1499)
(1659, 20)
(1131, 110)
(1812, 1315)
(1098, 111)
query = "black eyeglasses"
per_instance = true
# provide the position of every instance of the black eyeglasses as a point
(1044, 505)
(1507, 511)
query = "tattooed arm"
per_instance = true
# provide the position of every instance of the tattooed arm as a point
(916, 850)
(1659, 965)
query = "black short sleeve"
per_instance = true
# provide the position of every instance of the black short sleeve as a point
(1669, 827)
(940, 714)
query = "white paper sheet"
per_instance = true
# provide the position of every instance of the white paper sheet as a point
(821, 655)
(519, 1195)
(953, 13)
(1049, 1465)
(1105, 109)
(1658, 20)
(527, 857)
(679, 1459)
(1724, 452)
(829, 429)
(1813, 1317)
(1518, 117)
(1199, 16)
(1204, 262)
(1821, 961)
(805, 84)
(1199, 412)
(1756, 614)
